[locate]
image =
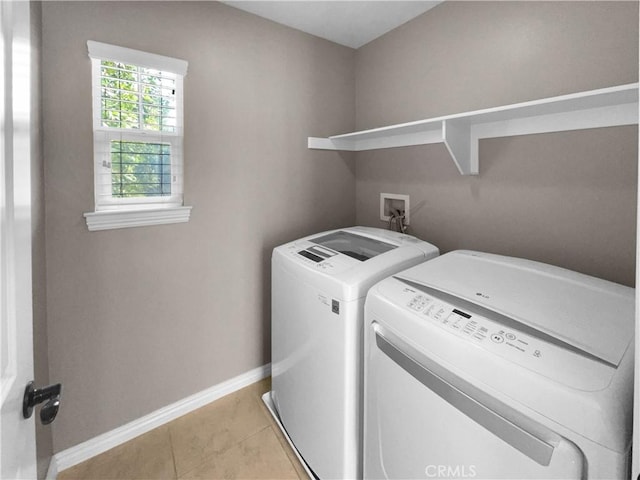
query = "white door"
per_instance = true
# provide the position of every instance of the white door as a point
(17, 435)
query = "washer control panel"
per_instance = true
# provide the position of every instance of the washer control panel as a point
(553, 360)
(315, 256)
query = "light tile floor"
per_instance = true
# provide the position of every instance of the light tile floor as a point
(233, 437)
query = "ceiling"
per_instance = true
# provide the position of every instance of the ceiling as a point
(350, 23)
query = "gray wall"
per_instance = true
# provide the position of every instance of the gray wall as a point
(139, 318)
(567, 199)
(44, 440)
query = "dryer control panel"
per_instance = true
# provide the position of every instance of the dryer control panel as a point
(540, 353)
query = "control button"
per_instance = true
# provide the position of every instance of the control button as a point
(497, 338)
(510, 336)
(537, 354)
(416, 304)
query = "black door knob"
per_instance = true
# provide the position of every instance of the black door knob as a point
(34, 396)
(49, 410)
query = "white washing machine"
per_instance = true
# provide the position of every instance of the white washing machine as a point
(490, 367)
(319, 284)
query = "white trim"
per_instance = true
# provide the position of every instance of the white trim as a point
(110, 219)
(100, 444)
(104, 51)
(52, 471)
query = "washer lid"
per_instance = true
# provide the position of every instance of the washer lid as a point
(592, 315)
(355, 246)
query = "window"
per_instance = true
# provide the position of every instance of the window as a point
(137, 138)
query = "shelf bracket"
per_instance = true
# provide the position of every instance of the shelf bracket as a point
(457, 139)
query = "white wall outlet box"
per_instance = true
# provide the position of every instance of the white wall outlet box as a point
(394, 201)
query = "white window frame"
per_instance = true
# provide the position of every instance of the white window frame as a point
(112, 212)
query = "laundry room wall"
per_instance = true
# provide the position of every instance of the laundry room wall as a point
(139, 318)
(563, 198)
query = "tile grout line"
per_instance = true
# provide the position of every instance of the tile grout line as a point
(284, 445)
(221, 452)
(284, 451)
(173, 453)
(291, 456)
(286, 454)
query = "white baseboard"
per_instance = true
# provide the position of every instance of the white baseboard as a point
(106, 441)
(52, 471)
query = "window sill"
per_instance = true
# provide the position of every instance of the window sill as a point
(110, 219)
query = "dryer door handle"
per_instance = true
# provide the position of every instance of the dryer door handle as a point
(529, 437)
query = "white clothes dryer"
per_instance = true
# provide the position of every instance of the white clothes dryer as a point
(483, 366)
(319, 284)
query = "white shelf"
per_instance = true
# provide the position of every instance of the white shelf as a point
(606, 107)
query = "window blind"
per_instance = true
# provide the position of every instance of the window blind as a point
(137, 97)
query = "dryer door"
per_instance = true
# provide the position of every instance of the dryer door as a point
(424, 422)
